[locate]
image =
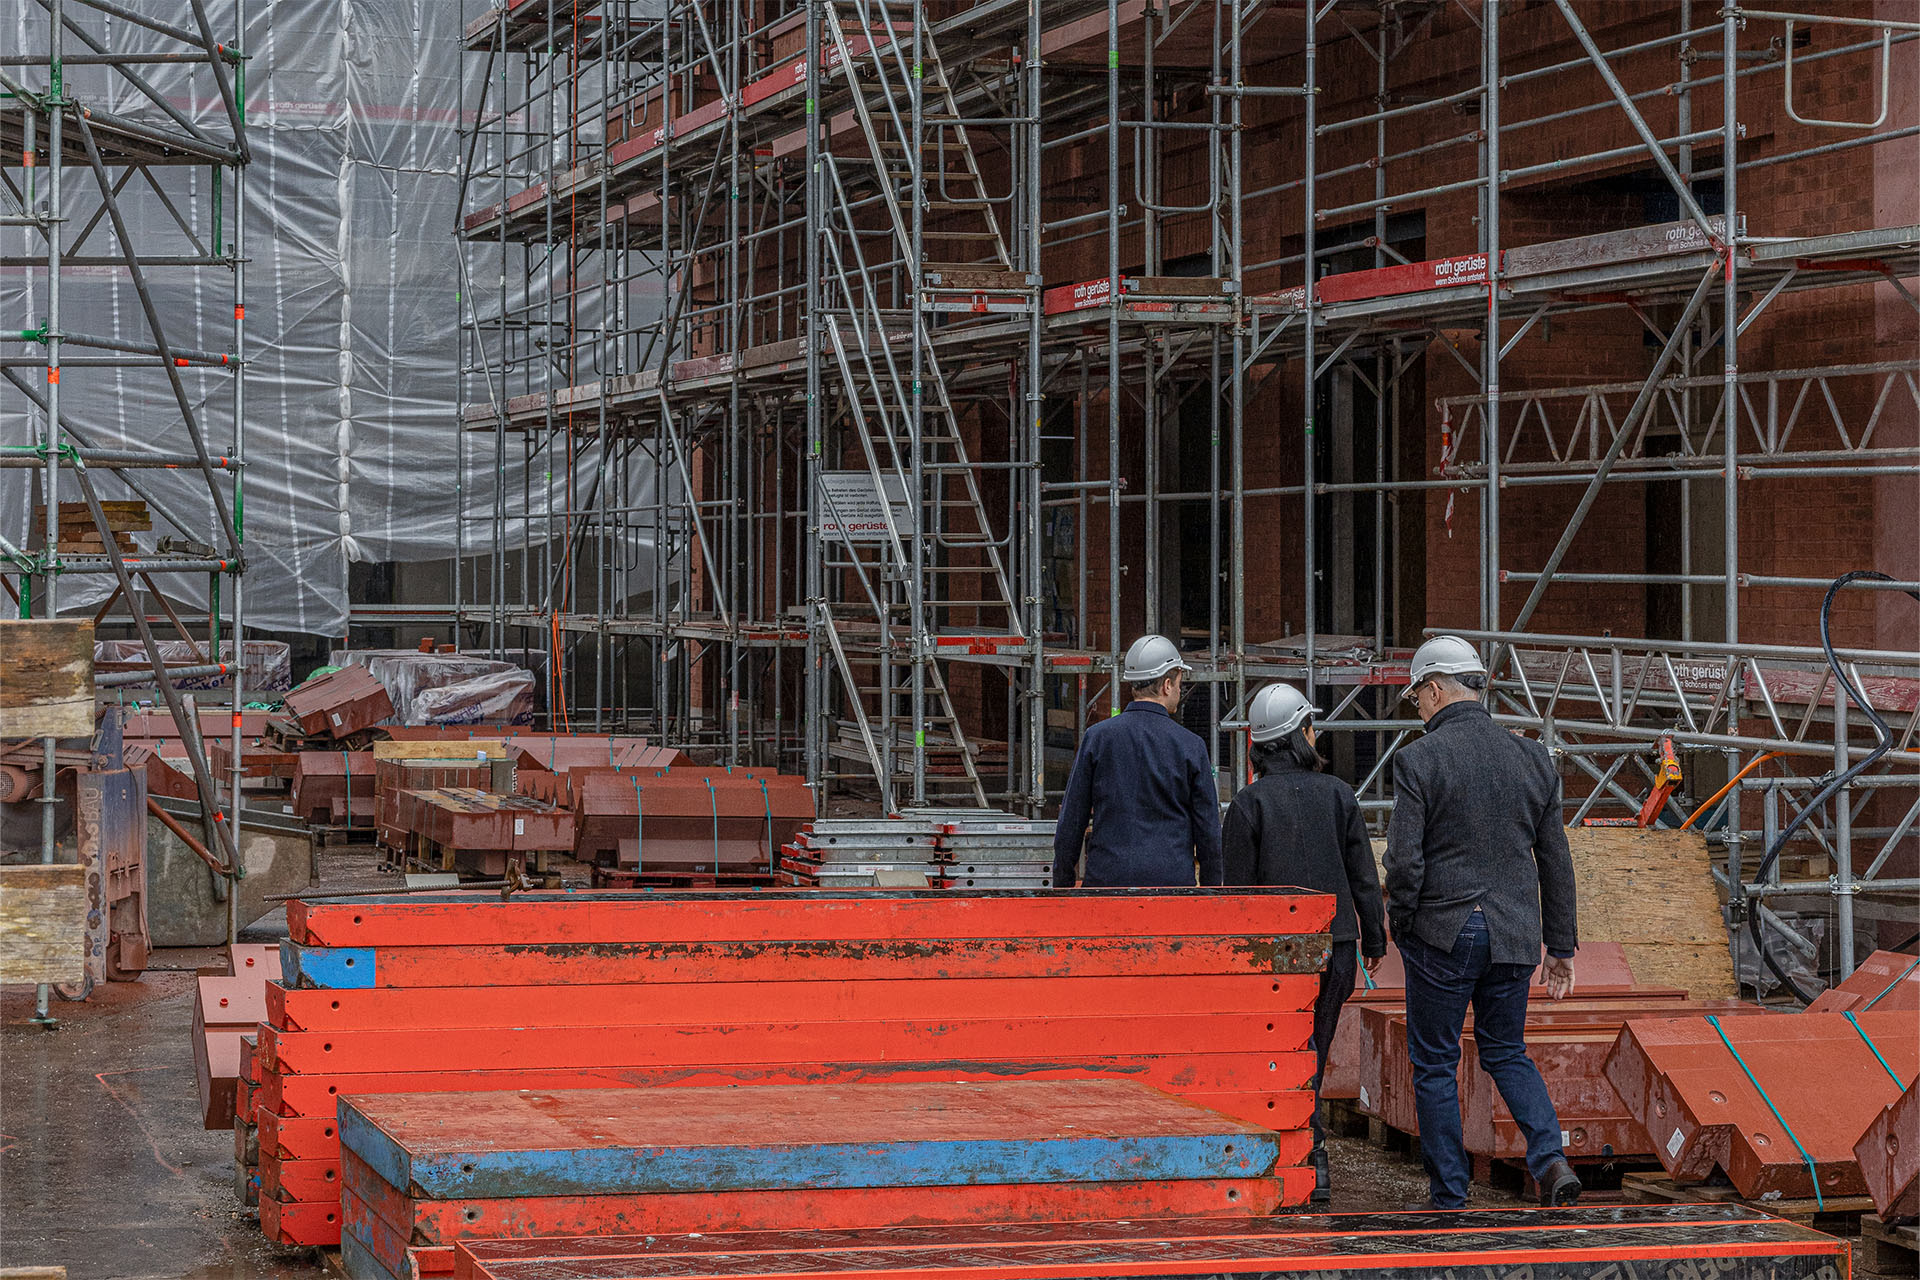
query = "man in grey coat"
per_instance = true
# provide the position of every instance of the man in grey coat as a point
(1478, 876)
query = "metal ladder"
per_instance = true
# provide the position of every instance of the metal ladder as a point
(869, 326)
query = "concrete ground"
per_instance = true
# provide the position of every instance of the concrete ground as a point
(104, 1168)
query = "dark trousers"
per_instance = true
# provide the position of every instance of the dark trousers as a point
(1336, 984)
(1440, 987)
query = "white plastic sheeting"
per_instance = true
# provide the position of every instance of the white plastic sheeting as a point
(352, 309)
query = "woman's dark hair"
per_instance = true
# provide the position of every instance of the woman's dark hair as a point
(1294, 749)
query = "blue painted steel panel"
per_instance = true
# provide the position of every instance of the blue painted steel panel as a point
(337, 968)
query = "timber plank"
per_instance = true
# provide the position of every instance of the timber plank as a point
(43, 918)
(48, 690)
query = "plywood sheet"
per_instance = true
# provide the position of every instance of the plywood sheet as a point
(48, 690)
(1653, 892)
(43, 918)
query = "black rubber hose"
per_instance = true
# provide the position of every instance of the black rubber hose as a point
(1835, 784)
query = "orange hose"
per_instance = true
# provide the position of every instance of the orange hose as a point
(1748, 768)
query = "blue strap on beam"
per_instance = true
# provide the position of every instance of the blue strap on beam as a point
(1820, 1201)
(1898, 1083)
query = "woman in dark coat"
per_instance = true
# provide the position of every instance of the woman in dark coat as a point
(1298, 825)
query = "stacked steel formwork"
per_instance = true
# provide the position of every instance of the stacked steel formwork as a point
(110, 119)
(969, 340)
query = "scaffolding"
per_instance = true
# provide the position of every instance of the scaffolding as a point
(936, 319)
(98, 161)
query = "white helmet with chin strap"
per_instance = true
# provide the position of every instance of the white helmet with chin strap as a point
(1151, 657)
(1443, 656)
(1277, 711)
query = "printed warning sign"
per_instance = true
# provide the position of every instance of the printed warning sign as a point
(850, 507)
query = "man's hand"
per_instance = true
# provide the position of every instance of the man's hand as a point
(1371, 962)
(1559, 977)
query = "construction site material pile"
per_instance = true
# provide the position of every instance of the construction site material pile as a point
(1204, 994)
(922, 848)
(1775, 1104)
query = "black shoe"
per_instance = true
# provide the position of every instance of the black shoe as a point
(1561, 1186)
(1322, 1177)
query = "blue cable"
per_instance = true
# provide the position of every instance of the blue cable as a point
(1898, 1083)
(1890, 986)
(1820, 1201)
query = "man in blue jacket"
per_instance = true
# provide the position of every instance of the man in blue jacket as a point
(1147, 785)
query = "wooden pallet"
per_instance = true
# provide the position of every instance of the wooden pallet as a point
(1840, 1212)
(1887, 1249)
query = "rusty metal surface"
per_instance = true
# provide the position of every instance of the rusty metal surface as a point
(338, 704)
(680, 817)
(1762, 1098)
(1889, 1156)
(333, 788)
(560, 753)
(1570, 1244)
(1569, 1042)
(1886, 980)
(111, 825)
(1603, 972)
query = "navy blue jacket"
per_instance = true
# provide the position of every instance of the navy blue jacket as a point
(1148, 786)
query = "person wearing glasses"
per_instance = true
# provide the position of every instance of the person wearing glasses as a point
(1299, 825)
(1141, 797)
(1478, 877)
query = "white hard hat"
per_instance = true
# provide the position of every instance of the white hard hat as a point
(1444, 656)
(1151, 657)
(1277, 711)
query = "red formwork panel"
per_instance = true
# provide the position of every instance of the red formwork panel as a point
(682, 817)
(1602, 968)
(1886, 981)
(933, 1038)
(339, 704)
(424, 1008)
(1200, 993)
(648, 1142)
(1708, 1094)
(437, 1222)
(512, 965)
(328, 781)
(299, 1180)
(546, 919)
(1569, 1041)
(1281, 1078)
(1889, 1156)
(1568, 1244)
(297, 1137)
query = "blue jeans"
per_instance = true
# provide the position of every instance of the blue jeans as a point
(1440, 986)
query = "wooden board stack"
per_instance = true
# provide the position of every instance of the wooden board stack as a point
(79, 535)
(1204, 994)
(421, 1171)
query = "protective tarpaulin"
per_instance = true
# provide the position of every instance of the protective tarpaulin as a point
(352, 299)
